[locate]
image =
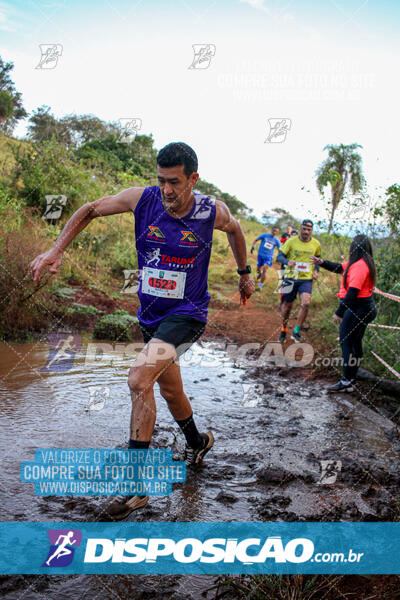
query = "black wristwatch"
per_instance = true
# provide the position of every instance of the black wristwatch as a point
(244, 271)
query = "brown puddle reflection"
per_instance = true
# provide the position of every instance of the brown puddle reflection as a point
(284, 450)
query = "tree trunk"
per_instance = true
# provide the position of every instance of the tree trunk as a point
(337, 195)
(331, 217)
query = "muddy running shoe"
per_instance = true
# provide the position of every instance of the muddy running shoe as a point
(341, 387)
(282, 336)
(120, 507)
(297, 338)
(193, 456)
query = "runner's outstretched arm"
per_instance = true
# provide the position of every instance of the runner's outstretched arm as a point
(254, 244)
(334, 267)
(108, 205)
(224, 221)
(282, 258)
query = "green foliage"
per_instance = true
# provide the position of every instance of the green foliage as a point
(11, 108)
(392, 208)
(84, 128)
(342, 169)
(385, 342)
(280, 217)
(123, 256)
(6, 106)
(44, 127)
(83, 309)
(117, 326)
(70, 130)
(138, 158)
(10, 214)
(66, 293)
(102, 154)
(26, 307)
(218, 300)
(48, 168)
(328, 176)
(236, 207)
(98, 144)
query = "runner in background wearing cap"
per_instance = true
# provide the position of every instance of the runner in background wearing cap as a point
(299, 274)
(265, 252)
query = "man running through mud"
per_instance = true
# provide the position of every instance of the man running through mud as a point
(295, 253)
(265, 252)
(178, 224)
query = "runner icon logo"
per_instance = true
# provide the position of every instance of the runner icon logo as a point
(129, 128)
(252, 393)
(329, 471)
(203, 54)
(132, 281)
(54, 206)
(62, 547)
(283, 286)
(153, 256)
(278, 130)
(50, 53)
(287, 286)
(97, 397)
(63, 348)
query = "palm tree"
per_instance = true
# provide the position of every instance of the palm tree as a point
(343, 166)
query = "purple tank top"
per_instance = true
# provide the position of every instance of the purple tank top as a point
(173, 258)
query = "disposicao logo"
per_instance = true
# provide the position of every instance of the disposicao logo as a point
(190, 550)
(62, 547)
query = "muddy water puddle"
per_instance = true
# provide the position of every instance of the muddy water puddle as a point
(284, 450)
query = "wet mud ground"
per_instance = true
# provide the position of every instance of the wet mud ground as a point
(284, 450)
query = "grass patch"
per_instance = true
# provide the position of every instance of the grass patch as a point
(117, 326)
(83, 309)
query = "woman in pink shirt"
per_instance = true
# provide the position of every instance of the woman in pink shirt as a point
(357, 307)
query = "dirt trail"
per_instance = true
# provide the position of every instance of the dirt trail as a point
(285, 450)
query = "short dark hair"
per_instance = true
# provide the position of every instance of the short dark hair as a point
(307, 222)
(176, 154)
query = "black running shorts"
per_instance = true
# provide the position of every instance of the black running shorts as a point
(179, 330)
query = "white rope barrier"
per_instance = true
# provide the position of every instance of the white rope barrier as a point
(390, 296)
(387, 366)
(383, 326)
(396, 299)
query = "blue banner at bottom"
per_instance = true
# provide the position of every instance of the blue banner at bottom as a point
(204, 548)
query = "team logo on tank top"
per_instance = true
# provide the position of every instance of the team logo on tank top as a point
(155, 233)
(188, 239)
